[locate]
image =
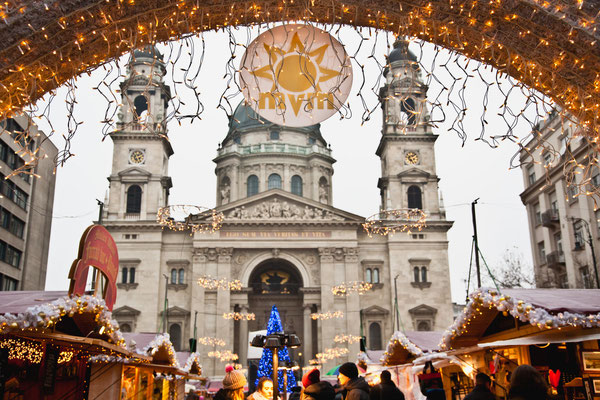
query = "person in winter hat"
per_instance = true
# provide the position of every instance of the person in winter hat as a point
(482, 390)
(315, 388)
(526, 383)
(387, 389)
(233, 385)
(356, 387)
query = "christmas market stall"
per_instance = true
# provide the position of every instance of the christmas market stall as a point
(555, 330)
(157, 376)
(47, 339)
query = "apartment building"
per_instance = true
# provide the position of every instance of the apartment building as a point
(26, 203)
(563, 224)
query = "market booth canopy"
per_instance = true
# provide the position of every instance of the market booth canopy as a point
(404, 347)
(494, 316)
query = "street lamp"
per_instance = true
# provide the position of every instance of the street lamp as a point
(274, 342)
(591, 243)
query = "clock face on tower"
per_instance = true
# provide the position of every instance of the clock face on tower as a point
(136, 156)
(411, 158)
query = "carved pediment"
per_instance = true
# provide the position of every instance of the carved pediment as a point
(375, 310)
(422, 310)
(126, 311)
(134, 171)
(280, 206)
(414, 172)
(177, 312)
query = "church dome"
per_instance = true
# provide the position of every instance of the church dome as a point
(245, 119)
(147, 51)
(401, 52)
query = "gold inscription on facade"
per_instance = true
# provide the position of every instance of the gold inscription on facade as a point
(275, 234)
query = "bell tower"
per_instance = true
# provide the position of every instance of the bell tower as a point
(139, 181)
(408, 174)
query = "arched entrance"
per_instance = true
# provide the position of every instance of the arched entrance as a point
(276, 282)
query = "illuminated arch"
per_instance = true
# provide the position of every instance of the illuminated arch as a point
(256, 261)
(44, 44)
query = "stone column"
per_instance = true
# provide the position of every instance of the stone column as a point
(286, 184)
(327, 303)
(352, 317)
(223, 326)
(234, 193)
(243, 337)
(307, 345)
(315, 182)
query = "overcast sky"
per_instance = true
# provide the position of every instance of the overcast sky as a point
(467, 172)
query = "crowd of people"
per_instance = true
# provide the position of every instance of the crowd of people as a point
(526, 383)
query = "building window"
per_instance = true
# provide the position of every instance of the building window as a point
(17, 227)
(125, 327)
(414, 197)
(558, 242)
(297, 185)
(597, 213)
(175, 335)
(572, 190)
(407, 109)
(181, 276)
(423, 325)
(274, 135)
(274, 181)
(547, 159)
(173, 276)
(537, 213)
(596, 181)
(252, 185)
(542, 253)
(131, 275)
(369, 277)
(375, 275)
(13, 256)
(554, 203)
(423, 274)
(124, 275)
(20, 198)
(375, 336)
(531, 174)
(586, 278)
(141, 104)
(416, 275)
(134, 200)
(578, 231)
(7, 284)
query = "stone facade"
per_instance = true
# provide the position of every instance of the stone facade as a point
(282, 237)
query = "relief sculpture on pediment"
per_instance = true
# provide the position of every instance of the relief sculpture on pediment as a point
(275, 209)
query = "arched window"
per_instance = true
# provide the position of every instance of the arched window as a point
(375, 275)
(141, 104)
(375, 336)
(274, 181)
(297, 185)
(368, 275)
(173, 275)
(424, 326)
(124, 275)
(175, 334)
(181, 276)
(423, 274)
(125, 327)
(252, 185)
(416, 274)
(414, 197)
(134, 200)
(131, 275)
(407, 110)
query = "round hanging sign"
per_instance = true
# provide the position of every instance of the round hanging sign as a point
(295, 75)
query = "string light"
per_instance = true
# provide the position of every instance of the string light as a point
(346, 339)
(237, 316)
(327, 315)
(331, 354)
(198, 219)
(207, 282)
(346, 288)
(225, 355)
(31, 352)
(211, 341)
(388, 222)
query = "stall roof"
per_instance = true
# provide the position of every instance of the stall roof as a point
(405, 346)
(19, 301)
(156, 345)
(493, 315)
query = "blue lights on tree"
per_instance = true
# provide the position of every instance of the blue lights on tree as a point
(265, 365)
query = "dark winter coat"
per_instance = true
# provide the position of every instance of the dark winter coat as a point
(435, 394)
(318, 391)
(357, 389)
(386, 391)
(480, 392)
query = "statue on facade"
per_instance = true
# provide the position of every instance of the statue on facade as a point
(275, 209)
(323, 196)
(225, 191)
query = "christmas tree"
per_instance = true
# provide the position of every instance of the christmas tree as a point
(265, 366)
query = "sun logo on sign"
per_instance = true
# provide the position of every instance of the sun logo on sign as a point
(300, 73)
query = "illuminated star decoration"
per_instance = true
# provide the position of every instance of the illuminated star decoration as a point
(295, 69)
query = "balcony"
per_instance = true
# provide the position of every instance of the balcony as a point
(549, 218)
(555, 260)
(132, 216)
